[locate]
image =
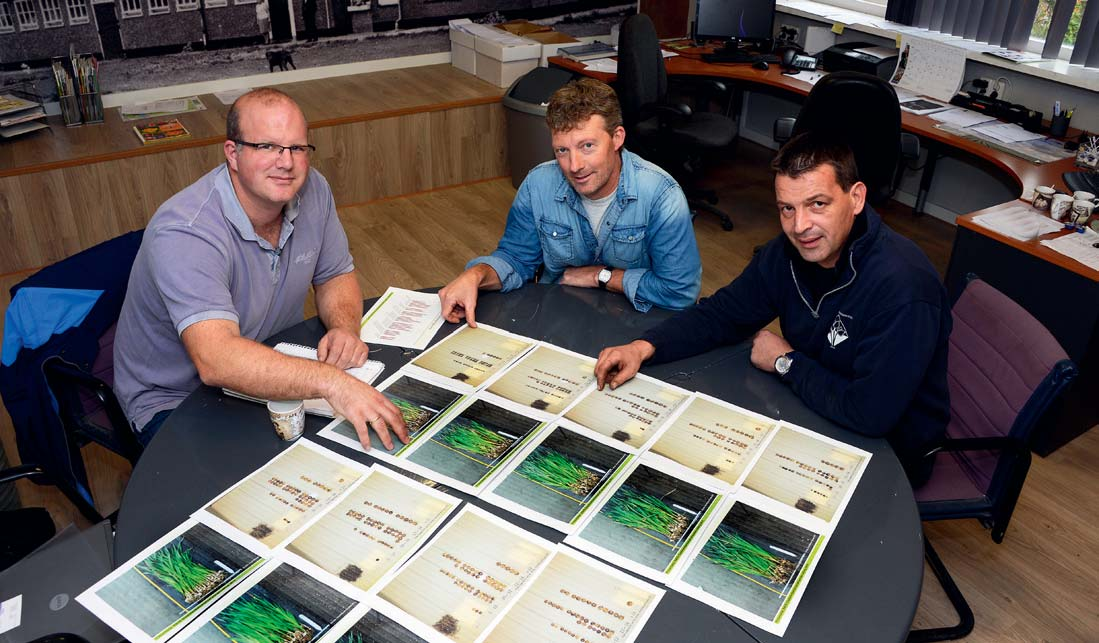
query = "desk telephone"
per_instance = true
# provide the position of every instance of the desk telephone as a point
(793, 61)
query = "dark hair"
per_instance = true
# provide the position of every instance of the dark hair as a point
(265, 95)
(809, 150)
(578, 101)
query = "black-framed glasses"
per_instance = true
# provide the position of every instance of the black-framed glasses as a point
(274, 149)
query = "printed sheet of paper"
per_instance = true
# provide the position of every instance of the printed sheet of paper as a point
(1018, 221)
(547, 379)
(752, 564)
(158, 592)
(929, 68)
(475, 567)
(420, 400)
(713, 437)
(807, 471)
(577, 598)
(473, 355)
(402, 318)
(467, 447)
(558, 477)
(281, 496)
(277, 603)
(372, 529)
(367, 625)
(647, 522)
(630, 413)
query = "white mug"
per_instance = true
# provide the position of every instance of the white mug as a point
(1060, 207)
(288, 416)
(1081, 212)
(1043, 194)
(1081, 195)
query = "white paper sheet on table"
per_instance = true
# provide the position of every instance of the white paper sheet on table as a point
(1018, 222)
(228, 96)
(1078, 246)
(403, 318)
(810, 77)
(1007, 132)
(929, 68)
(605, 65)
(961, 117)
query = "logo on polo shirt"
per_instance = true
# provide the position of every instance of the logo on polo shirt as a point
(306, 257)
(838, 333)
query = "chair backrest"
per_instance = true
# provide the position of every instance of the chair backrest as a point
(642, 79)
(1004, 369)
(862, 109)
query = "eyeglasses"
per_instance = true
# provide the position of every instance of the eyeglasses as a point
(274, 149)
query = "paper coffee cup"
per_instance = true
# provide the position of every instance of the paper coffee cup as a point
(288, 416)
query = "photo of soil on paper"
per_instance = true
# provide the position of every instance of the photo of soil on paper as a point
(630, 413)
(472, 355)
(546, 379)
(753, 561)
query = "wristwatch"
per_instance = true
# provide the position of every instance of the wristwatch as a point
(604, 277)
(783, 364)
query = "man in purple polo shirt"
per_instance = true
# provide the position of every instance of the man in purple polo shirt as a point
(227, 262)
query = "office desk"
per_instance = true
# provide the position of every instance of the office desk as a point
(866, 585)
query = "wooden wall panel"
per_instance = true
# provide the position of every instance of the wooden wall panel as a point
(52, 214)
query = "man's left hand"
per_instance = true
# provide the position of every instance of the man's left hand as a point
(766, 348)
(582, 276)
(342, 349)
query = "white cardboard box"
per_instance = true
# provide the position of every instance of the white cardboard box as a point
(501, 63)
(462, 54)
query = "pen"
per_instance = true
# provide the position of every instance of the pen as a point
(1057, 108)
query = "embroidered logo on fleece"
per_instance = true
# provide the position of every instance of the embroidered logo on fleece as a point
(838, 333)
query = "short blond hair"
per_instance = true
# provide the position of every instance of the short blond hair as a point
(578, 101)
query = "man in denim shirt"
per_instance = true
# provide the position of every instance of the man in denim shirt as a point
(598, 217)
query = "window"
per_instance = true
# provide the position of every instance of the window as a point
(158, 6)
(7, 24)
(186, 5)
(872, 7)
(24, 11)
(131, 8)
(78, 12)
(51, 12)
(215, 3)
(1044, 18)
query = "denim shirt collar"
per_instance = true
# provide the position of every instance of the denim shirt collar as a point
(234, 212)
(625, 192)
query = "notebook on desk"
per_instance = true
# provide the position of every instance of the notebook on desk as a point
(367, 373)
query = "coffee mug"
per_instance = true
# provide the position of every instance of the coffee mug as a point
(1081, 195)
(1060, 207)
(1081, 212)
(1042, 197)
(288, 416)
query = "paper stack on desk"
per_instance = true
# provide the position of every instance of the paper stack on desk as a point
(1078, 246)
(1018, 222)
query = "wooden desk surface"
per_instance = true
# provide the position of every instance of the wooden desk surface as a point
(1026, 174)
(326, 102)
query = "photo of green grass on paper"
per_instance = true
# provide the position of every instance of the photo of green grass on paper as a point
(286, 606)
(753, 560)
(176, 581)
(419, 403)
(474, 443)
(562, 475)
(650, 518)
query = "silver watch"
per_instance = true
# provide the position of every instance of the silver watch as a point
(783, 364)
(604, 277)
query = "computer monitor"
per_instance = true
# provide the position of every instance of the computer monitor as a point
(735, 21)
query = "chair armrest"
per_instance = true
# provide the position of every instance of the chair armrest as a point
(783, 129)
(998, 443)
(910, 146)
(18, 472)
(667, 114)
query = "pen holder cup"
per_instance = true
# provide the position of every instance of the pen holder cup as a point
(1058, 125)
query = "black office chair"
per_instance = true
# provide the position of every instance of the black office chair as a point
(863, 110)
(671, 135)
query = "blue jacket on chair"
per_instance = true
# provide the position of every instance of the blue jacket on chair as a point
(38, 429)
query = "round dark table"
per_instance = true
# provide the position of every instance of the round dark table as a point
(865, 588)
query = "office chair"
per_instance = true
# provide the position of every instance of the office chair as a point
(863, 110)
(671, 135)
(1004, 369)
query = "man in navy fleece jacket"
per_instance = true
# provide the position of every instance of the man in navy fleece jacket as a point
(864, 317)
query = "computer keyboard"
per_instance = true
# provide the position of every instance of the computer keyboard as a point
(1085, 181)
(734, 56)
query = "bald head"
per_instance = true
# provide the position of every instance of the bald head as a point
(262, 97)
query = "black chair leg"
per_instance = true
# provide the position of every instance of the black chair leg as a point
(696, 205)
(965, 614)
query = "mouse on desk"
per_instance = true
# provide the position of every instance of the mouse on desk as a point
(761, 64)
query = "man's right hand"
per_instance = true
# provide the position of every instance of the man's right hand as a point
(364, 407)
(459, 297)
(618, 364)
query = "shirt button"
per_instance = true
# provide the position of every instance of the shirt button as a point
(630, 238)
(555, 234)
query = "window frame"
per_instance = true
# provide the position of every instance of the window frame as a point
(159, 7)
(84, 19)
(31, 13)
(7, 18)
(187, 5)
(133, 10)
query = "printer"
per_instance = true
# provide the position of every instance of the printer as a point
(861, 56)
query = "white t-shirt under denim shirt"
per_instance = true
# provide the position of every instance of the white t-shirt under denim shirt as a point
(596, 208)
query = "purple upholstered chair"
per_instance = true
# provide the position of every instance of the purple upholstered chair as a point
(1004, 369)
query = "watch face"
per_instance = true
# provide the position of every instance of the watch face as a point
(604, 276)
(782, 364)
